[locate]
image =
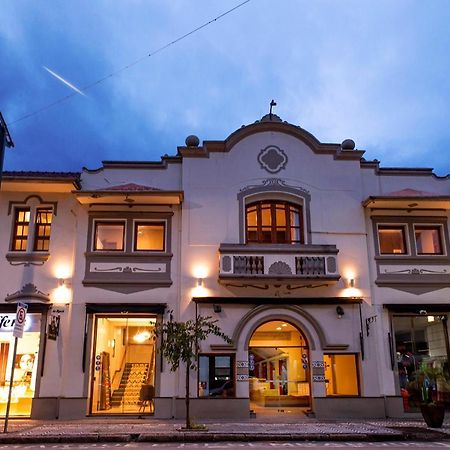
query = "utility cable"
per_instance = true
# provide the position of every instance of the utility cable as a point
(128, 66)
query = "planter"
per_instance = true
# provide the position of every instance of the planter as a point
(433, 414)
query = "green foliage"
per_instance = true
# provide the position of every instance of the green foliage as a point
(427, 378)
(180, 340)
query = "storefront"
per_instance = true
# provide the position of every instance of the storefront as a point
(421, 347)
(28, 359)
(123, 363)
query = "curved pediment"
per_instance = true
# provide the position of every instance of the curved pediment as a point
(273, 123)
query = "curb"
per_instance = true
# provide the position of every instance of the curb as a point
(204, 437)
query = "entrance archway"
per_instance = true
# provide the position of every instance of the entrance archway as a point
(279, 374)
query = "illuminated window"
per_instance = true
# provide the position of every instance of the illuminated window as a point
(43, 223)
(392, 239)
(21, 229)
(428, 239)
(109, 236)
(341, 375)
(274, 222)
(149, 236)
(216, 376)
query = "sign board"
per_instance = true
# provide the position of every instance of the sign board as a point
(21, 314)
(53, 327)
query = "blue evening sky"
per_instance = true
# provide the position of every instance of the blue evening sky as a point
(373, 71)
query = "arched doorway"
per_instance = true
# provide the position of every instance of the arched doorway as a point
(279, 371)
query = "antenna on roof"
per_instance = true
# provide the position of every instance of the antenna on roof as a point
(272, 104)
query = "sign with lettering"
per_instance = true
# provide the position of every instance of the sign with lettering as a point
(7, 322)
(241, 364)
(19, 324)
(318, 364)
(242, 377)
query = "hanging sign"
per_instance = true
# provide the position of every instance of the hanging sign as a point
(21, 314)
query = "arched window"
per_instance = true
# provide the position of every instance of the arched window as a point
(276, 222)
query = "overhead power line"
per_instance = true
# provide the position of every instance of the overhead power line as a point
(128, 66)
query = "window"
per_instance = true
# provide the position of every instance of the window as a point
(43, 223)
(109, 236)
(21, 229)
(428, 239)
(274, 222)
(24, 221)
(341, 375)
(392, 239)
(149, 236)
(216, 376)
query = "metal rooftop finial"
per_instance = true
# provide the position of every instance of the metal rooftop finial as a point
(272, 104)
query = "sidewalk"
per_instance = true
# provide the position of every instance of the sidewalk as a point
(263, 429)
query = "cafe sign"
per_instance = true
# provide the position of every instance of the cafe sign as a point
(8, 321)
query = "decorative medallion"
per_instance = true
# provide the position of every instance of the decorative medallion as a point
(272, 159)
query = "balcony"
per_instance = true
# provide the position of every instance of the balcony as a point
(275, 264)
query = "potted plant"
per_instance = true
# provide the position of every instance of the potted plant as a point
(433, 412)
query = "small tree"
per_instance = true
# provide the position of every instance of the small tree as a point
(180, 344)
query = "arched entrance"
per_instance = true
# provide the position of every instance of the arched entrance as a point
(279, 370)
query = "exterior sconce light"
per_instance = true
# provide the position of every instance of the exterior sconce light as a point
(64, 282)
(350, 283)
(61, 281)
(217, 308)
(339, 311)
(199, 282)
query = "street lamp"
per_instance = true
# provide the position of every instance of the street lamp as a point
(5, 140)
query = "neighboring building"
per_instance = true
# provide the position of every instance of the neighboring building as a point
(330, 274)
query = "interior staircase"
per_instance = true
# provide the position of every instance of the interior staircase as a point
(133, 377)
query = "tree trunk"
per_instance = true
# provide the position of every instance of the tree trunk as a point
(188, 418)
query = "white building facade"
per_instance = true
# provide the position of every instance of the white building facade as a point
(329, 273)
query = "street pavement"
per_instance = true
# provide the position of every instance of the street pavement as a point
(275, 428)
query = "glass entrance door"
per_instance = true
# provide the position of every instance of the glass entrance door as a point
(123, 369)
(278, 367)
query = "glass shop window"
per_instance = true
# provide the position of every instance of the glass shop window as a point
(341, 375)
(428, 239)
(421, 345)
(109, 236)
(216, 376)
(392, 240)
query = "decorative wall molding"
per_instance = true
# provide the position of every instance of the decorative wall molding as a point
(272, 159)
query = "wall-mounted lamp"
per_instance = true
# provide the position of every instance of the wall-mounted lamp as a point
(217, 308)
(350, 283)
(66, 282)
(199, 282)
(340, 311)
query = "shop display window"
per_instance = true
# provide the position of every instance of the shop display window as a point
(216, 376)
(421, 343)
(341, 375)
(25, 364)
(123, 365)
(278, 367)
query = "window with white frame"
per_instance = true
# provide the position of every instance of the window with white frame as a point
(129, 235)
(411, 236)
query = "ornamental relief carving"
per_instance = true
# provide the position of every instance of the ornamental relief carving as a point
(272, 159)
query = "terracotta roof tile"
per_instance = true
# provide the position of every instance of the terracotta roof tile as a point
(408, 192)
(130, 187)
